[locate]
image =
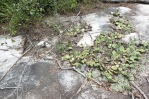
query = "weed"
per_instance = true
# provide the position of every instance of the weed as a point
(121, 24)
(19, 14)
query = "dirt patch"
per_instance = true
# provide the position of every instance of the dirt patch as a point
(35, 34)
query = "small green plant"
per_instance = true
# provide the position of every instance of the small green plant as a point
(64, 47)
(121, 23)
(73, 31)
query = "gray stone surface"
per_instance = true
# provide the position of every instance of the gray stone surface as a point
(140, 21)
(90, 93)
(43, 81)
(39, 81)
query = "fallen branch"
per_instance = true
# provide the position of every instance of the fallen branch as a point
(31, 43)
(141, 92)
(15, 64)
(73, 68)
(59, 64)
(95, 81)
(4, 49)
(132, 96)
(82, 86)
(3, 88)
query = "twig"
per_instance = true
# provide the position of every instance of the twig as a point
(82, 86)
(20, 80)
(78, 13)
(73, 68)
(9, 88)
(95, 81)
(14, 64)
(147, 80)
(29, 40)
(60, 97)
(59, 64)
(132, 96)
(144, 95)
(4, 49)
(35, 52)
(91, 37)
(79, 72)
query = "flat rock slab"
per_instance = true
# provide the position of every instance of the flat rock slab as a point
(140, 21)
(131, 1)
(43, 81)
(39, 81)
(89, 93)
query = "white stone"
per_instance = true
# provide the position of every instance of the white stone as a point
(130, 37)
(44, 43)
(87, 40)
(41, 44)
